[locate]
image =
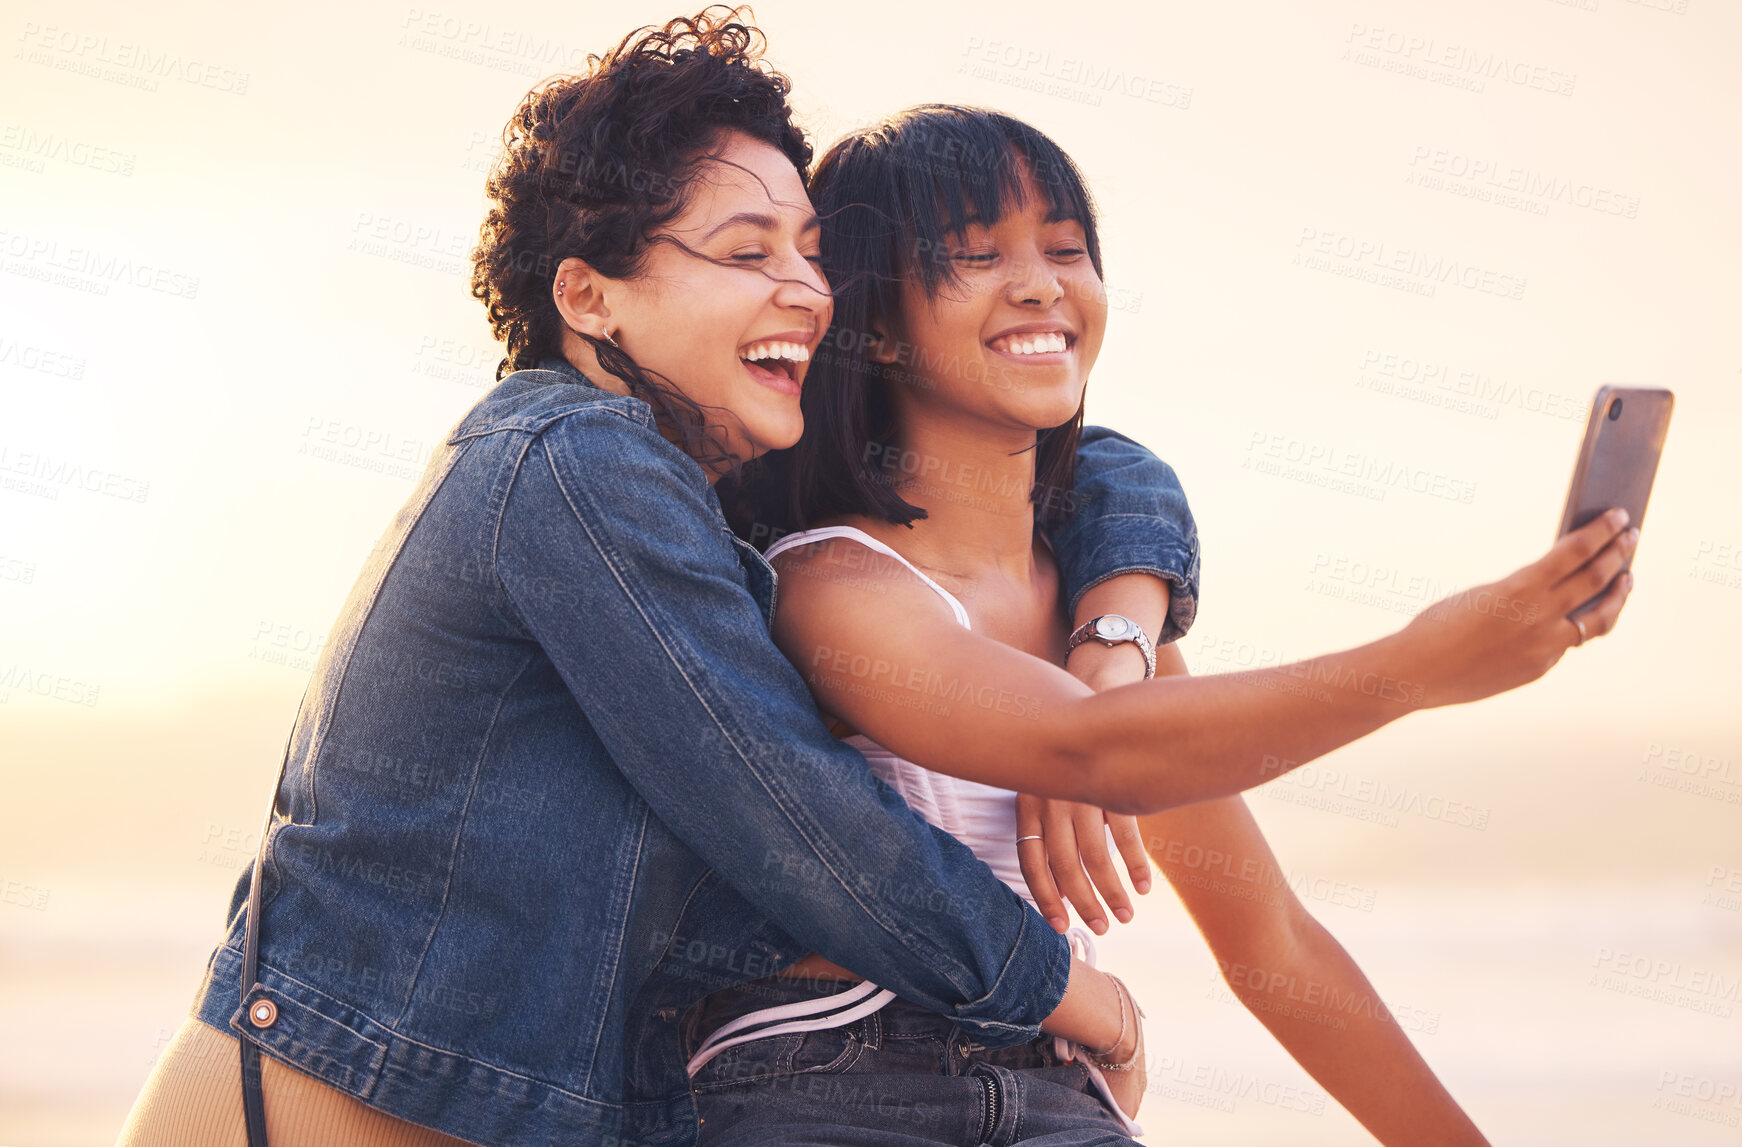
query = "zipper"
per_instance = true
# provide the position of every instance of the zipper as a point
(993, 1106)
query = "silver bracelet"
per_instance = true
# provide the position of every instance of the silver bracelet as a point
(1137, 1049)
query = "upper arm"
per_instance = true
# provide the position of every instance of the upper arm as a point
(882, 651)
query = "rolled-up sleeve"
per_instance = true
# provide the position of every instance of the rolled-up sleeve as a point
(670, 659)
(1130, 515)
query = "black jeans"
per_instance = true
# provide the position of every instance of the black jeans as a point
(899, 1077)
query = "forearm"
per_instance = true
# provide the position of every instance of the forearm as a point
(894, 665)
(1089, 1012)
(1326, 1014)
(737, 766)
(1160, 744)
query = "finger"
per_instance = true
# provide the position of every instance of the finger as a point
(1031, 855)
(1573, 549)
(1091, 826)
(1596, 575)
(1601, 618)
(1067, 866)
(1128, 839)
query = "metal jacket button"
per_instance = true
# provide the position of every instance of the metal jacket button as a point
(263, 1013)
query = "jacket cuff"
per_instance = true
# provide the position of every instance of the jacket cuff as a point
(1141, 543)
(1028, 989)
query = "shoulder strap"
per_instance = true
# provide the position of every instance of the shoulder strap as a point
(824, 533)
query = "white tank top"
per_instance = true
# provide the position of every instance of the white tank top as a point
(981, 816)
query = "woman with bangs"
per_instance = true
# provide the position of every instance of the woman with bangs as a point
(918, 519)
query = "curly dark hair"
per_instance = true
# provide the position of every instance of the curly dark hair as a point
(594, 164)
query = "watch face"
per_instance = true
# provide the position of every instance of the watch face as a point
(1110, 626)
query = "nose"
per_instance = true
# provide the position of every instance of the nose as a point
(803, 285)
(1034, 282)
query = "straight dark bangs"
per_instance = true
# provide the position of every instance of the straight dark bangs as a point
(957, 166)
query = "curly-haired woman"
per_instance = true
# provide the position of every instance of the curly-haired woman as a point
(552, 783)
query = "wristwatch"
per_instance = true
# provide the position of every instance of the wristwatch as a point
(1113, 629)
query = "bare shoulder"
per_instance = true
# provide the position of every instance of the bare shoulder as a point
(833, 577)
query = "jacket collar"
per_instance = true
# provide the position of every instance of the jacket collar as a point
(530, 399)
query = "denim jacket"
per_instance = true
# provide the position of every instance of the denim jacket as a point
(552, 783)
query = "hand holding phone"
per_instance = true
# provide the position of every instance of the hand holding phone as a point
(1618, 459)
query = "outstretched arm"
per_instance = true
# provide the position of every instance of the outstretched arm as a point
(882, 652)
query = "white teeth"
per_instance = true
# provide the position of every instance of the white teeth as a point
(793, 352)
(1050, 342)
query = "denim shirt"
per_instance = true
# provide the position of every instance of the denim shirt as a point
(552, 783)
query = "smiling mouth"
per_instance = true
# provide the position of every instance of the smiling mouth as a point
(1034, 343)
(776, 359)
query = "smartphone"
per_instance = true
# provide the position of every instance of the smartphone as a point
(1618, 459)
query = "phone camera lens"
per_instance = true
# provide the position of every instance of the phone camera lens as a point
(1614, 410)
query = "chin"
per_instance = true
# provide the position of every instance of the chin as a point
(777, 433)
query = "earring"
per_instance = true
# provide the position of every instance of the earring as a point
(609, 339)
(559, 287)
